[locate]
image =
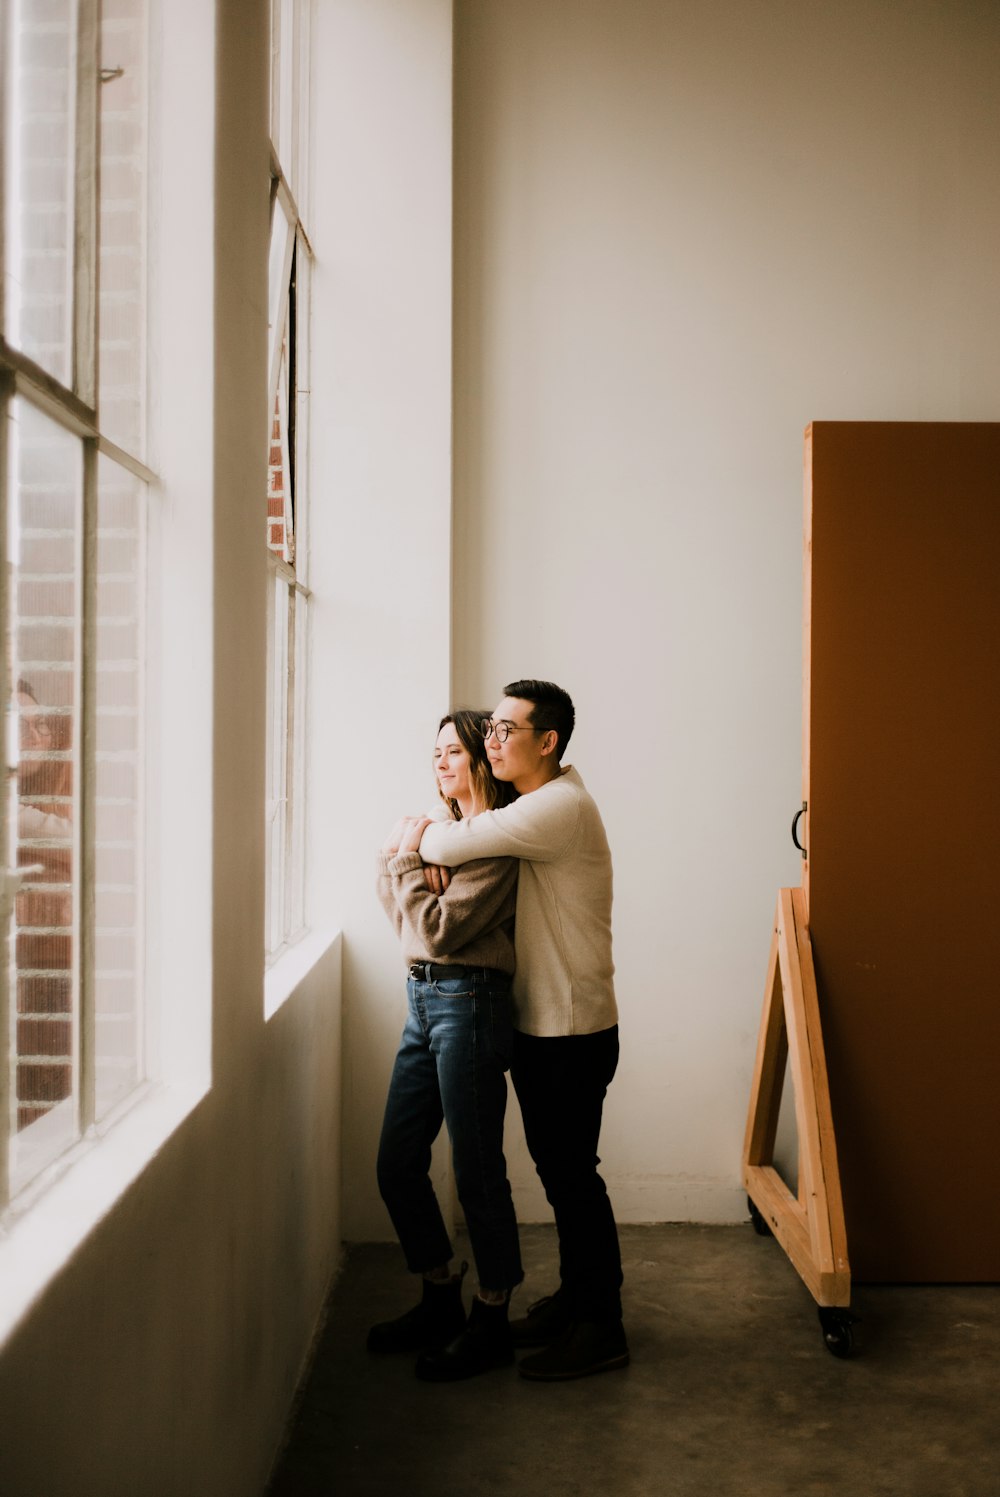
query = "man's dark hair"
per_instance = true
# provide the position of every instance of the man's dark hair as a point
(551, 708)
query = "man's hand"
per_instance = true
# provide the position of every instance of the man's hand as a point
(436, 878)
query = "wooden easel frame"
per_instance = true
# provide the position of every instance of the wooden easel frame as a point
(810, 1225)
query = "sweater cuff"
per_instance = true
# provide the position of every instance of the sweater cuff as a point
(405, 862)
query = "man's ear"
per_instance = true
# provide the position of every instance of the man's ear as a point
(550, 741)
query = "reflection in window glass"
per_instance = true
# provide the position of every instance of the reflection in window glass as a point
(39, 148)
(43, 670)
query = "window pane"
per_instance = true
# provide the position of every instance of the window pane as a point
(42, 809)
(280, 515)
(279, 269)
(117, 827)
(280, 334)
(123, 223)
(298, 424)
(39, 143)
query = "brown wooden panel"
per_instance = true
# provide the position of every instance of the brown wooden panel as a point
(903, 754)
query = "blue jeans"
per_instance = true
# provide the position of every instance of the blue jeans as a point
(450, 1066)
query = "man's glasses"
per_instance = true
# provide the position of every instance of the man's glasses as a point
(488, 728)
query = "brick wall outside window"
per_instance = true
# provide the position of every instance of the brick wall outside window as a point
(276, 486)
(44, 601)
(43, 545)
(44, 586)
(39, 248)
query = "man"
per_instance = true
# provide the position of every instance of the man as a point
(566, 1019)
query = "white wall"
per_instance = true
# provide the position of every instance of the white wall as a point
(381, 436)
(682, 232)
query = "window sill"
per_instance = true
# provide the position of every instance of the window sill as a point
(281, 980)
(48, 1221)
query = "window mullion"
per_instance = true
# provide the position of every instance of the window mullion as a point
(278, 564)
(85, 246)
(48, 394)
(281, 191)
(126, 460)
(85, 713)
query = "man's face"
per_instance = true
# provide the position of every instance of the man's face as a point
(519, 758)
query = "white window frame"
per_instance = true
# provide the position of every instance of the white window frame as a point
(74, 408)
(288, 587)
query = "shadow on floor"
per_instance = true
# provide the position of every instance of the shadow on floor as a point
(731, 1391)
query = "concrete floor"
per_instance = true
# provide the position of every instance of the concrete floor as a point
(731, 1391)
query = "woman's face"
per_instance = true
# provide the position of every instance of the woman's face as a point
(451, 764)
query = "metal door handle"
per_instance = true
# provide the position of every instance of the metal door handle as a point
(795, 828)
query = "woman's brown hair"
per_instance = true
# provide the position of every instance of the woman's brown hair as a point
(490, 793)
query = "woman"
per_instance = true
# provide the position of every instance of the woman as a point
(459, 950)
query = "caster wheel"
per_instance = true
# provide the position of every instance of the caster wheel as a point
(838, 1335)
(760, 1226)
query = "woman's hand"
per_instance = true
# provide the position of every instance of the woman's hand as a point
(391, 843)
(413, 830)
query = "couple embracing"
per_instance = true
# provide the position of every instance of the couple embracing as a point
(503, 910)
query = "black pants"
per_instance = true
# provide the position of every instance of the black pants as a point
(561, 1083)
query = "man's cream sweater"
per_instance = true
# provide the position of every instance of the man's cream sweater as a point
(563, 982)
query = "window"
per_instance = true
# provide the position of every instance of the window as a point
(286, 517)
(73, 495)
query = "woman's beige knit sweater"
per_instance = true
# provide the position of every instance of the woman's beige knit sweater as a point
(471, 924)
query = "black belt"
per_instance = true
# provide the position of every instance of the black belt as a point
(436, 972)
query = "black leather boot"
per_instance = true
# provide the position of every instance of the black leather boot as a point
(437, 1319)
(486, 1342)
